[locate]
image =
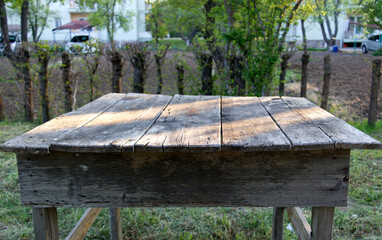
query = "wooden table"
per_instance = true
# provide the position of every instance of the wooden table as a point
(128, 150)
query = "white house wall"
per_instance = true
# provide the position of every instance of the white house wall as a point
(313, 31)
(64, 12)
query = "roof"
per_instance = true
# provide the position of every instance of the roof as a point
(78, 24)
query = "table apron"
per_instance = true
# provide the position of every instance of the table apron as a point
(140, 179)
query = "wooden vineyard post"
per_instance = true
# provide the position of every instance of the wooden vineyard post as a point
(180, 70)
(327, 73)
(67, 82)
(2, 108)
(375, 83)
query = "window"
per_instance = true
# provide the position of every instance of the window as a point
(58, 22)
(374, 38)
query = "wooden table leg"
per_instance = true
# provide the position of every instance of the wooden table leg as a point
(322, 223)
(115, 224)
(278, 223)
(45, 223)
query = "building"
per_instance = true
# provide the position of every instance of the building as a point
(69, 11)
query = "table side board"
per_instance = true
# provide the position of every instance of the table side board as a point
(130, 150)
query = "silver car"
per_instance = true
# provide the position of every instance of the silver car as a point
(80, 43)
(372, 43)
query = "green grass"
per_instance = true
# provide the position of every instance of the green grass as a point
(175, 44)
(362, 219)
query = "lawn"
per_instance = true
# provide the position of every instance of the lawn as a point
(362, 219)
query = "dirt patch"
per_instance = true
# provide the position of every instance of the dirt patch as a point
(350, 82)
(349, 89)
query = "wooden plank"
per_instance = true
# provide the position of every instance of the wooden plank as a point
(299, 223)
(115, 224)
(247, 126)
(278, 223)
(189, 123)
(322, 223)
(83, 225)
(344, 135)
(302, 133)
(39, 139)
(117, 128)
(287, 178)
(45, 223)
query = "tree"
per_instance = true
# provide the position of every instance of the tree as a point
(156, 22)
(109, 15)
(39, 14)
(372, 10)
(21, 59)
(328, 10)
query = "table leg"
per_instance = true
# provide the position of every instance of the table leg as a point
(322, 223)
(45, 223)
(115, 224)
(278, 223)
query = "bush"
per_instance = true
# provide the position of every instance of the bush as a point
(378, 52)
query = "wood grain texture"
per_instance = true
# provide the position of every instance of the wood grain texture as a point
(299, 223)
(115, 224)
(116, 129)
(278, 223)
(322, 223)
(45, 223)
(189, 123)
(39, 139)
(343, 135)
(302, 132)
(83, 225)
(247, 126)
(290, 178)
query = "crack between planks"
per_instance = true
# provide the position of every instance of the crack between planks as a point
(274, 120)
(306, 117)
(152, 123)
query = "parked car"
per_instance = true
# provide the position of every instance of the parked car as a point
(80, 43)
(14, 39)
(372, 43)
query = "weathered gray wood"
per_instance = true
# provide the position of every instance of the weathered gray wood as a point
(289, 178)
(322, 223)
(247, 126)
(189, 123)
(45, 223)
(344, 135)
(83, 225)
(118, 127)
(299, 223)
(302, 133)
(115, 224)
(375, 82)
(278, 223)
(38, 140)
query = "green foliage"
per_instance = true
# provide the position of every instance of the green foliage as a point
(106, 16)
(377, 52)
(372, 11)
(156, 19)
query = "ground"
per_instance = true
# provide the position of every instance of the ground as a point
(349, 87)
(350, 82)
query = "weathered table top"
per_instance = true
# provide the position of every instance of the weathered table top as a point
(141, 122)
